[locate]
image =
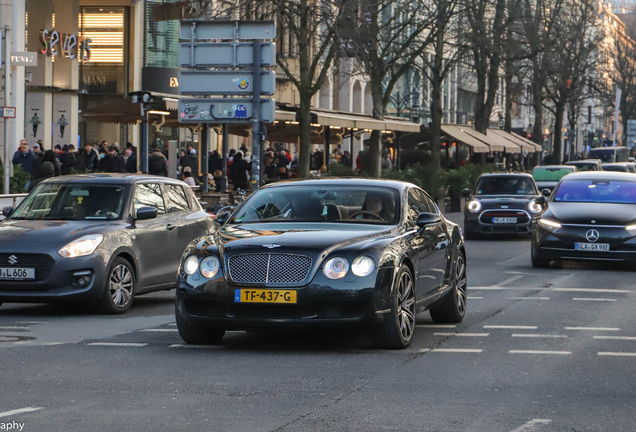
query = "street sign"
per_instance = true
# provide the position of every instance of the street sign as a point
(24, 59)
(8, 112)
(224, 110)
(222, 54)
(224, 82)
(229, 30)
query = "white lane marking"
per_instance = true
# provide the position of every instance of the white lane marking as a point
(423, 350)
(456, 350)
(591, 290)
(33, 322)
(539, 352)
(617, 354)
(436, 325)
(629, 338)
(14, 328)
(159, 330)
(593, 299)
(535, 335)
(512, 259)
(474, 298)
(19, 411)
(194, 346)
(172, 324)
(524, 273)
(462, 334)
(518, 327)
(528, 298)
(593, 328)
(119, 344)
(512, 279)
(532, 425)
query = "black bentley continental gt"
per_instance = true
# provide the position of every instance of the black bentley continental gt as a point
(590, 216)
(98, 238)
(500, 204)
(318, 253)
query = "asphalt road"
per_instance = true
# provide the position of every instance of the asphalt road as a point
(539, 350)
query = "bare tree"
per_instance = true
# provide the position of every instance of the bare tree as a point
(386, 38)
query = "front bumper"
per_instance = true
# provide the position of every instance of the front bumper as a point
(351, 301)
(560, 245)
(65, 280)
(482, 223)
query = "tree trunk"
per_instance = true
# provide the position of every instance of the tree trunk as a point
(508, 102)
(558, 133)
(480, 104)
(304, 154)
(375, 143)
(436, 119)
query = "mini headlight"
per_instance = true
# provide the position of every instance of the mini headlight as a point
(549, 225)
(534, 207)
(474, 206)
(631, 229)
(363, 266)
(83, 246)
(336, 268)
(191, 265)
(210, 266)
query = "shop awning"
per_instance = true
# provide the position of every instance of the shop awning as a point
(459, 133)
(361, 121)
(525, 145)
(539, 147)
(508, 145)
(494, 146)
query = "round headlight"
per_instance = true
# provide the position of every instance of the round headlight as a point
(191, 265)
(473, 206)
(534, 207)
(363, 266)
(210, 266)
(336, 268)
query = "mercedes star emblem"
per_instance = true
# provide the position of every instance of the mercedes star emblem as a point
(271, 246)
(13, 260)
(592, 235)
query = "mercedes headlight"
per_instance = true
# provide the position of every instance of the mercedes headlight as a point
(210, 266)
(363, 266)
(534, 207)
(190, 265)
(83, 246)
(549, 225)
(473, 206)
(336, 268)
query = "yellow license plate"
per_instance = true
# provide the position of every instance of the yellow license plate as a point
(264, 296)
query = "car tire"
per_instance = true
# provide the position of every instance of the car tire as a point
(396, 331)
(452, 309)
(538, 261)
(194, 334)
(119, 292)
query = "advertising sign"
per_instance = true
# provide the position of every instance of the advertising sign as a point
(36, 124)
(62, 120)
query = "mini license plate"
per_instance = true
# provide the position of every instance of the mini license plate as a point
(507, 220)
(264, 296)
(592, 246)
(13, 273)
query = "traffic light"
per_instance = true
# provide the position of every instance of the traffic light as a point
(141, 97)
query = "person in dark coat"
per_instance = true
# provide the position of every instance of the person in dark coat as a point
(192, 160)
(89, 158)
(68, 160)
(157, 163)
(49, 156)
(131, 160)
(113, 162)
(238, 172)
(47, 170)
(215, 162)
(25, 158)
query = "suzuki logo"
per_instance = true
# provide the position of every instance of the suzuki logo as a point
(13, 260)
(592, 235)
(271, 246)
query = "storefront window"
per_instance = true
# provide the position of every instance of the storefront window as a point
(162, 38)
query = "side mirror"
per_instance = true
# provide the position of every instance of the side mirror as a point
(465, 192)
(540, 200)
(7, 211)
(146, 213)
(426, 218)
(546, 192)
(222, 217)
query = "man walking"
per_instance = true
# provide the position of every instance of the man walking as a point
(24, 157)
(157, 163)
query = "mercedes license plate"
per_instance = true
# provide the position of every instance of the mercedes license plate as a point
(592, 246)
(264, 296)
(504, 220)
(14, 273)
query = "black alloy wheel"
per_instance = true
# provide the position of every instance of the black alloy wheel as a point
(396, 332)
(453, 307)
(119, 292)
